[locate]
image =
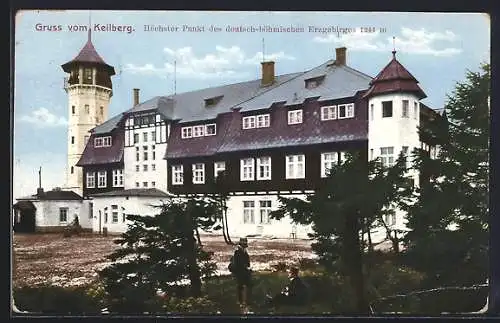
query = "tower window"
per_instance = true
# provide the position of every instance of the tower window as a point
(101, 110)
(73, 109)
(386, 109)
(405, 112)
(87, 76)
(72, 140)
(72, 169)
(87, 108)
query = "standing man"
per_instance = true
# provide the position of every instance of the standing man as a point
(242, 273)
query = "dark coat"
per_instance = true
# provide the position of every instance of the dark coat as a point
(241, 263)
(296, 291)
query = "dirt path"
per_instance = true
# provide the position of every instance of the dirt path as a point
(52, 259)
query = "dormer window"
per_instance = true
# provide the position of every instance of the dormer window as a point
(294, 116)
(102, 141)
(187, 132)
(87, 76)
(329, 113)
(248, 122)
(263, 120)
(210, 129)
(346, 111)
(314, 82)
(210, 102)
(198, 131)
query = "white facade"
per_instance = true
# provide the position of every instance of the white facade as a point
(111, 211)
(391, 130)
(247, 215)
(145, 146)
(87, 107)
(53, 214)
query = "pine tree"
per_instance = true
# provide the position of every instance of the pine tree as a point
(157, 252)
(448, 238)
(353, 199)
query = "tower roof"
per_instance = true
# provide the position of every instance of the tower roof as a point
(88, 55)
(394, 77)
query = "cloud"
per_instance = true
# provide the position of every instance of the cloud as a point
(421, 42)
(225, 62)
(44, 118)
(25, 173)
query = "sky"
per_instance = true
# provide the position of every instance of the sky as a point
(213, 48)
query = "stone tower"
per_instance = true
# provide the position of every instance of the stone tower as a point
(89, 91)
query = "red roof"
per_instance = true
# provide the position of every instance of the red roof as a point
(88, 55)
(394, 77)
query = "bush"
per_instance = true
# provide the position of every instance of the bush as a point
(280, 266)
(56, 300)
(190, 305)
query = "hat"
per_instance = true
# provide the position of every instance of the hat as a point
(243, 242)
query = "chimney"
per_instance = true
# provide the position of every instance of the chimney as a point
(267, 73)
(340, 58)
(136, 97)
(39, 190)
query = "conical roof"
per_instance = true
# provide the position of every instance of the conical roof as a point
(394, 77)
(88, 55)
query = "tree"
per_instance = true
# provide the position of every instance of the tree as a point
(353, 198)
(157, 253)
(449, 222)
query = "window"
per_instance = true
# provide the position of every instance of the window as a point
(145, 152)
(145, 167)
(387, 156)
(117, 177)
(248, 212)
(295, 166)
(186, 132)
(144, 184)
(219, 167)
(265, 210)
(311, 84)
(343, 156)
(72, 169)
(72, 140)
(137, 155)
(210, 129)
(87, 75)
(153, 184)
(404, 150)
(433, 152)
(153, 167)
(406, 105)
(105, 215)
(101, 110)
(136, 184)
(87, 108)
(154, 152)
(263, 120)
(386, 109)
(371, 154)
(247, 169)
(63, 214)
(390, 219)
(101, 178)
(85, 139)
(106, 142)
(198, 173)
(72, 109)
(153, 135)
(346, 111)
(263, 168)
(137, 168)
(329, 113)
(415, 110)
(198, 131)
(177, 175)
(327, 162)
(114, 217)
(294, 116)
(248, 122)
(90, 179)
(371, 112)
(136, 138)
(145, 137)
